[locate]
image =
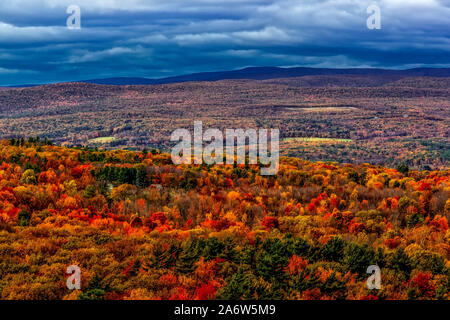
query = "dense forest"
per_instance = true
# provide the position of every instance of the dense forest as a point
(140, 227)
(371, 119)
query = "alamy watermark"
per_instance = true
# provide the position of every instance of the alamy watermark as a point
(374, 20)
(218, 152)
(374, 281)
(74, 280)
(74, 20)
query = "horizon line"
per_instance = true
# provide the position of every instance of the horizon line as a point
(91, 81)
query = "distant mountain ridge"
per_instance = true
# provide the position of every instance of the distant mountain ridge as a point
(267, 73)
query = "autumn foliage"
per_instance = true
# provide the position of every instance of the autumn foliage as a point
(141, 228)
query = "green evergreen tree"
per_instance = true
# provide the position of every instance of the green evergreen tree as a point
(272, 260)
(357, 258)
(400, 263)
(333, 250)
(24, 218)
(141, 177)
(187, 258)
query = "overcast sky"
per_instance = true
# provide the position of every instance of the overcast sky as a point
(159, 38)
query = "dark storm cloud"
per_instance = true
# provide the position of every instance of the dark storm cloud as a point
(160, 38)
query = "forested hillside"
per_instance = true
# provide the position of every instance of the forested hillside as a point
(380, 120)
(141, 228)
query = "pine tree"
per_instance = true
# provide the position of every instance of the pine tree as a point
(272, 260)
(239, 287)
(333, 250)
(141, 177)
(164, 257)
(188, 257)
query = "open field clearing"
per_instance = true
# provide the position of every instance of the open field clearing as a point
(103, 140)
(323, 109)
(313, 139)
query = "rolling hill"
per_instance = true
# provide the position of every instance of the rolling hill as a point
(266, 73)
